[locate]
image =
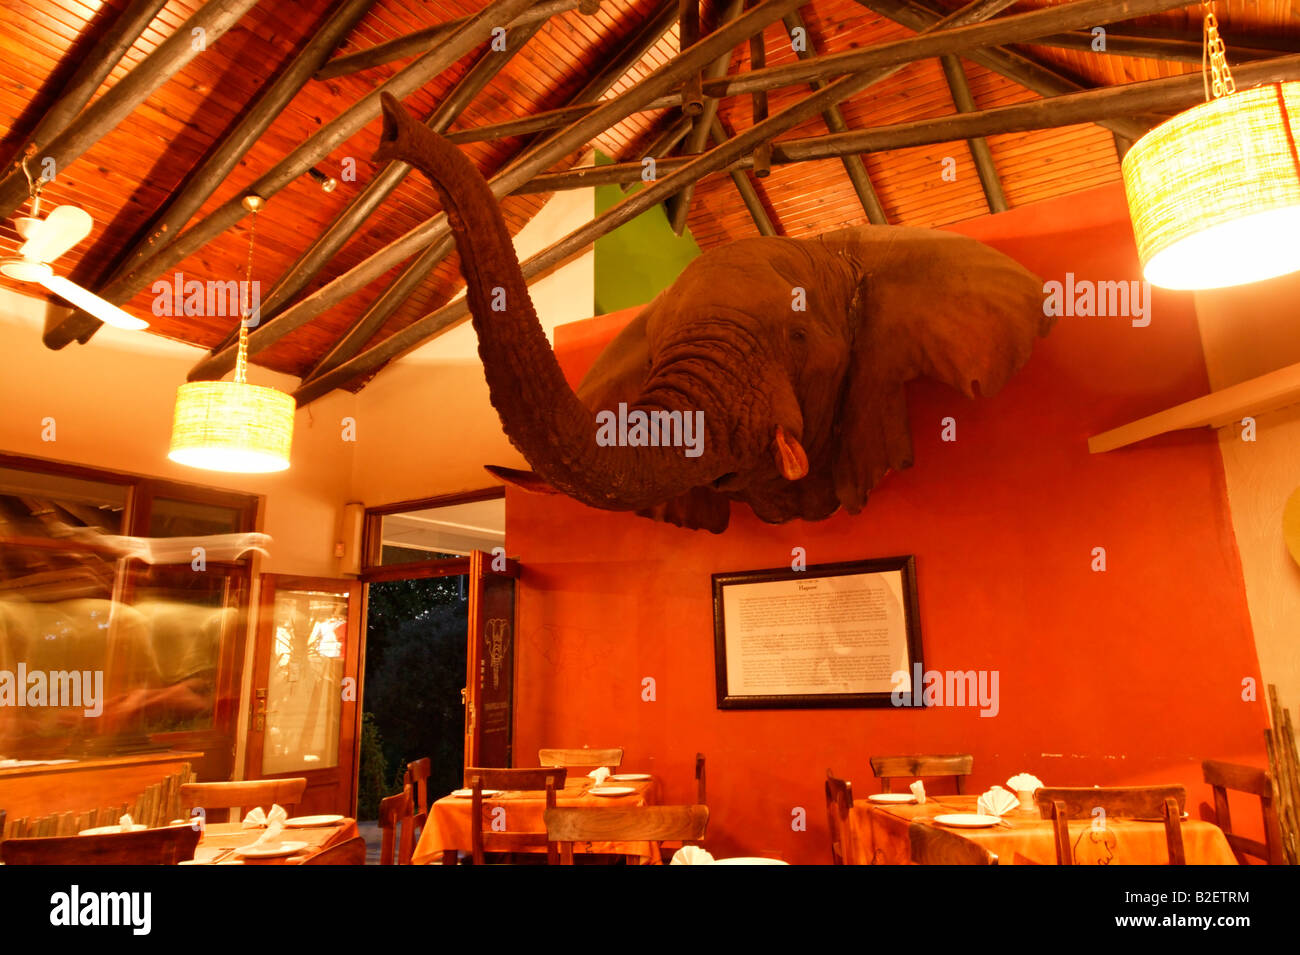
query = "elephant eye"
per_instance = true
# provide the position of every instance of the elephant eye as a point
(798, 335)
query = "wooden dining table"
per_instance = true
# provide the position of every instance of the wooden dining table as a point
(220, 839)
(449, 827)
(879, 834)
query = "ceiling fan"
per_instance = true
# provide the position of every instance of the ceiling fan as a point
(44, 240)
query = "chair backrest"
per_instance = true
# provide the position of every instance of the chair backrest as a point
(652, 824)
(397, 828)
(1257, 782)
(839, 806)
(1157, 803)
(549, 779)
(352, 852)
(244, 793)
(166, 846)
(699, 780)
(417, 777)
(956, 765)
(613, 757)
(932, 845)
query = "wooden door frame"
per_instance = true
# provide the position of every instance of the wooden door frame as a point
(349, 723)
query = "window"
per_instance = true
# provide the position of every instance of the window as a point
(110, 644)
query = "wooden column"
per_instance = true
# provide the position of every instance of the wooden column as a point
(689, 35)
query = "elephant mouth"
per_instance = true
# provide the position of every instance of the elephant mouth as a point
(791, 459)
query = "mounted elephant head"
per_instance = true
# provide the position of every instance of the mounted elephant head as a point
(791, 355)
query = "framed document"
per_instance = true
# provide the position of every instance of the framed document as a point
(835, 635)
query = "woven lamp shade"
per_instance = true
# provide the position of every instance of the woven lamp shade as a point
(232, 426)
(1214, 193)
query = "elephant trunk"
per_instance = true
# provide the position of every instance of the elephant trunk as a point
(540, 413)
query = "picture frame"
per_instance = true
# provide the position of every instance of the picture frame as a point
(832, 636)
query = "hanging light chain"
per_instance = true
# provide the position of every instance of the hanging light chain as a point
(241, 362)
(1220, 81)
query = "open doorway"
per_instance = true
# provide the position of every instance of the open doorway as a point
(417, 636)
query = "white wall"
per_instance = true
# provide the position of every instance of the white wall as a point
(1247, 332)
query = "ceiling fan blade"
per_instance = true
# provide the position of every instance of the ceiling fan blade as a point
(61, 230)
(106, 312)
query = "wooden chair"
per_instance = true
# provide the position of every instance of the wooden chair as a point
(397, 825)
(574, 758)
(1157, 803)
(652, 824)
(699, 780)
(352, 852)
(1257, 782)
(244, 793)
(166, 846)
(548, 779)
(888, 768)
(932, 845)
(417, 778)
(839, 807)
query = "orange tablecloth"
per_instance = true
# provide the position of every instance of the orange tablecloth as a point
(218, 837)
(449, 826)
(879, 834)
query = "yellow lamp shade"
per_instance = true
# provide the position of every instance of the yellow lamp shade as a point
(1214, 193)
(232, 426)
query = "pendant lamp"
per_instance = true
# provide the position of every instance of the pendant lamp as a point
(1214, 193)
(232, 425)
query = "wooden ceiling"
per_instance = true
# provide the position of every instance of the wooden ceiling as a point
(128, 175)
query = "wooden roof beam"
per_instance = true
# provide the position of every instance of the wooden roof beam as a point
(1167, 48)
(98, 63)
(212, 171)
(537, 158)
(979, 146)
(421, 41)
(321, 143)
(702, 121)
(854, 166)
(1173, 93)
(1028, 72)
(626, 56)
(748, 191)
(214, 18)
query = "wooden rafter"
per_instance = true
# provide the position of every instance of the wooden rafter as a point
(212, 172)
(979, 146)
(107, 52)
(213, 19)
(324, 141)
(421, 41)
(534, 161)
(748, 191)
(1174, 49)
(688, 32)
(854, 166)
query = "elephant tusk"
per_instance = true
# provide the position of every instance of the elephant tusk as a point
(791, 459)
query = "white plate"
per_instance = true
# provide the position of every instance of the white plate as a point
(967, 820)
(612, 790)
(749, 860)
(631, 777)
(272, 851)
(470, 792)
(308, 822)
(106, 830)
(891, 797)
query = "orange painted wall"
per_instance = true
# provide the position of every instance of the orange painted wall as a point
(1128, 676)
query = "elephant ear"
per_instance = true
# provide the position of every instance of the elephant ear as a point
(931, 304)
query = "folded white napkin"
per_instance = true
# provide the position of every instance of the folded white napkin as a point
(257, 818)
(996, 802)
(126, 823)
(599, 775)
(918, 790)
(272, 834)
(691, 855)
(1022, 782)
